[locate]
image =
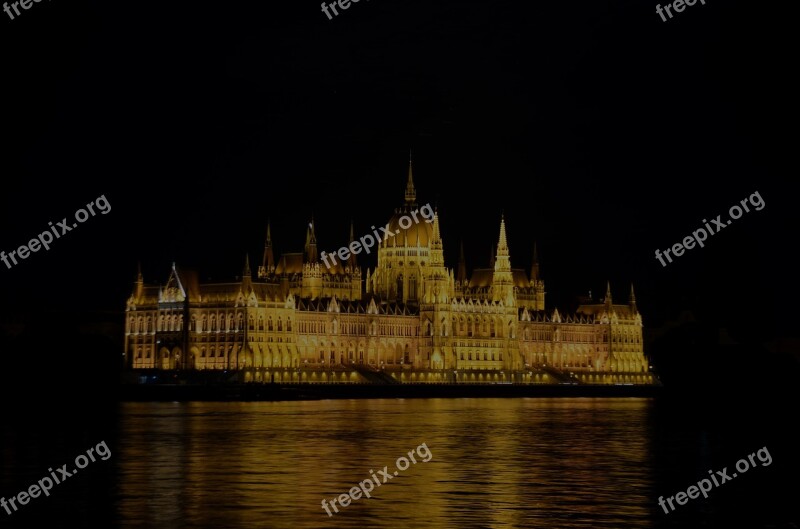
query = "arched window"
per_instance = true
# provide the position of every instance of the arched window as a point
(140, 325)
(250, 323)
(204, 323)
(280, 324)
(260, 323)
(203, 352)
(131, 325)
(149, 324)
(288, 324)
(239, 322)
(269, 324)
(213, 323)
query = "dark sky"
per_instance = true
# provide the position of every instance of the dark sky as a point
(600, 131)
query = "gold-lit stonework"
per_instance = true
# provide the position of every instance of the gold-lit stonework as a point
(410, 320)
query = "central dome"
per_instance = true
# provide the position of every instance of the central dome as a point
(418, 230)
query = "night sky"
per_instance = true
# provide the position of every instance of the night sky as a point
(601, 132)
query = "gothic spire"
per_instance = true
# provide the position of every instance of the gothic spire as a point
(268, 262)
(411, 192)
(246, 272)
(311, 243)
(535, 265)
(502, 277)
(502, 244)
(462, 266)
(351, 261)
(501, 261)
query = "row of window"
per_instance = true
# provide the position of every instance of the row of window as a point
(165, 323)
(404, 358)
(401, 253)
(210, 325)
(486, 356)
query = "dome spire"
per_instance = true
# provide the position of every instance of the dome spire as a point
(411, 192)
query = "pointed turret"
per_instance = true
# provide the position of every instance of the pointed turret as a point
(502, 263)
(411, 192)
(502, 244)
(502, 280)
(608, 300)
(535, 265)
(462, 266)
(632, 300)
(247, 275)
(351, 261)
(311, 243)
(437, 247)
(268, 262)
(139, 281)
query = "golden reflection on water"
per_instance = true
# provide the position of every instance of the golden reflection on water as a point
(496, 463)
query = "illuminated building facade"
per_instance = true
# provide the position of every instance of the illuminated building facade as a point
(411, 319)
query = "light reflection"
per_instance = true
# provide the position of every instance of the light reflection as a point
(496, 463)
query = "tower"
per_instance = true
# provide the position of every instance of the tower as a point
(502, 279)
(311, 243)
(139, 284)
(268, 262)
(537, 284)
(461, 276)
(247, 275)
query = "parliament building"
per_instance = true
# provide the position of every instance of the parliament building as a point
(410, 320)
